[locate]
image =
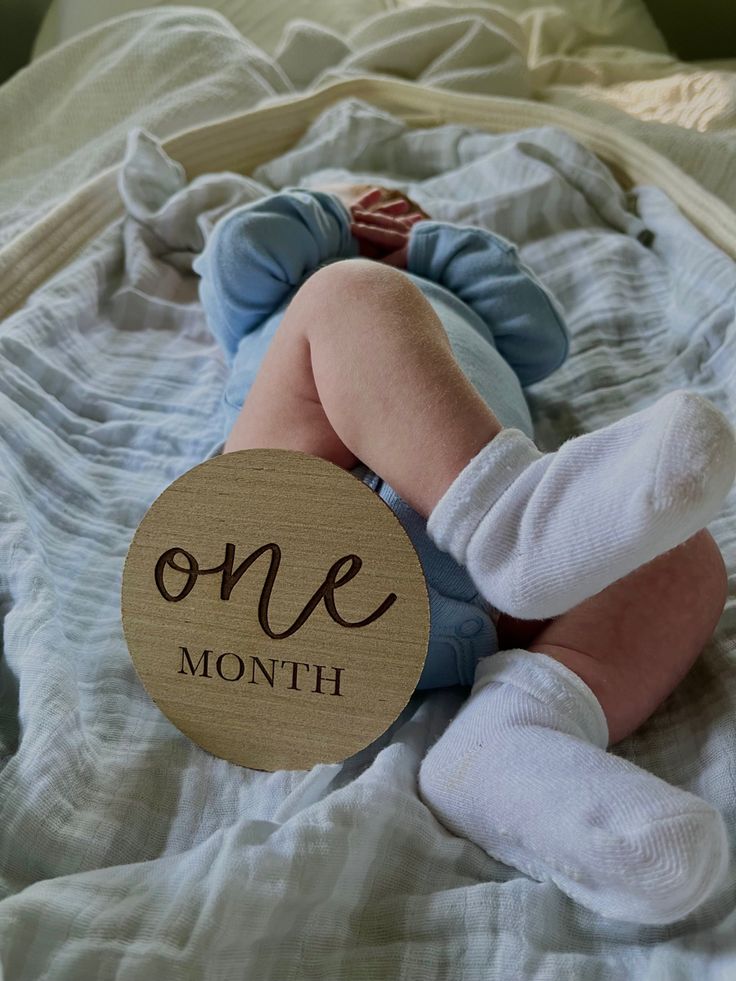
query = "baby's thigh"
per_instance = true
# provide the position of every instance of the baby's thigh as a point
(663, 612)
(282, 410)
(636, 640)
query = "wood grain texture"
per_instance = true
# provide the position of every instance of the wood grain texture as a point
(275, 609)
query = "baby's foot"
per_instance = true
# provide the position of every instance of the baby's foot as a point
(523, 772)
(541, 532)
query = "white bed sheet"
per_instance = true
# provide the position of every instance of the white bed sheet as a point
(576, 22)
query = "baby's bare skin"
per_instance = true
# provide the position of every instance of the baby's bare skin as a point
(352, 194)
(382, 219)
(360, 369)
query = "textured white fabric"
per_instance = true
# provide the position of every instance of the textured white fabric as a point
(605, 59)
(522, 771)
(541, 533)
(127, 72)
(125, 850)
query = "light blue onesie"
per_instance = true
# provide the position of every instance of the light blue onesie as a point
(505, 329)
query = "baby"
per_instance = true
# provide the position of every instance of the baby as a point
(572, 590)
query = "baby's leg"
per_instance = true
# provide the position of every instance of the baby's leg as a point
(360, 368)
(523, 771)
(636, 640)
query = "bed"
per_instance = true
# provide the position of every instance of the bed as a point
(126, 851)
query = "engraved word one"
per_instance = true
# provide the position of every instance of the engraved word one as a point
(230, 578)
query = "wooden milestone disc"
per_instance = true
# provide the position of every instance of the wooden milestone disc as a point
(275, 609)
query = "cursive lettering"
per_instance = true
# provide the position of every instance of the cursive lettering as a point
(230, 578)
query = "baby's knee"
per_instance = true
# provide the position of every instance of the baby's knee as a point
(360, 279)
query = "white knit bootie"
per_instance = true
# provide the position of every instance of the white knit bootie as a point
(523, 772)
(541, 532)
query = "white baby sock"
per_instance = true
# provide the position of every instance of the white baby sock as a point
(522, 771)
(541, 532)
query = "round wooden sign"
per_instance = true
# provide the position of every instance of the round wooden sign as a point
(275, 609)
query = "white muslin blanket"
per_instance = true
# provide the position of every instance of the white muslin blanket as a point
(128, 852)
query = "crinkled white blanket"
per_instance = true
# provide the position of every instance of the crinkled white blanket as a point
(128, 852)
